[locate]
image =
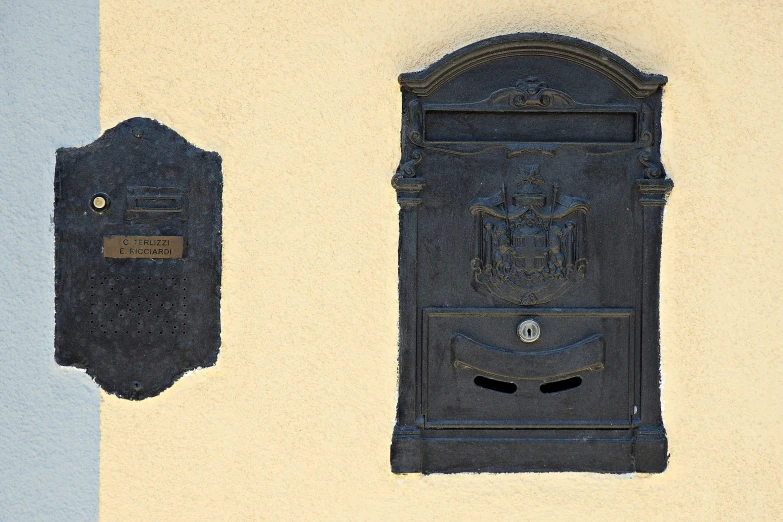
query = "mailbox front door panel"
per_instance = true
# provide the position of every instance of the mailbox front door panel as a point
(138, 256)
(531, 193)
(581, 355)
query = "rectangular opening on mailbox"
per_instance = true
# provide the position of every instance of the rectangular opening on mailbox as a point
(533, 127)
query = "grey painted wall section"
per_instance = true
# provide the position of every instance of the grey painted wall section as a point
(49, 416)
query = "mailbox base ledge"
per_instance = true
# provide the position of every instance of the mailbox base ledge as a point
(515, 451)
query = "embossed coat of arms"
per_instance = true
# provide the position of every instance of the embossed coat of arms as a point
(530, 244)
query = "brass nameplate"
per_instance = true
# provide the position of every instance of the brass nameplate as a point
(143, 247)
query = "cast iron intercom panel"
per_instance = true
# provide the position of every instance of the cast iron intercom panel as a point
(137, 258)
(531, 195)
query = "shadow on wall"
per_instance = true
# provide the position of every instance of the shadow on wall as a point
(49, 415)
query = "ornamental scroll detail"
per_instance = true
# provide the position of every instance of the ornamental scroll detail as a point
(652, 168)
(530, 245)
(530, 92)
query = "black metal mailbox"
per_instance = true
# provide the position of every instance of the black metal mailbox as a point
(531, 195)
(137, 258)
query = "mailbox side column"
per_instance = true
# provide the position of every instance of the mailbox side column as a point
(406, 450)
(650, 444)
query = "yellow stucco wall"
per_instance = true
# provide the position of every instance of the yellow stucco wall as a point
(301, 100)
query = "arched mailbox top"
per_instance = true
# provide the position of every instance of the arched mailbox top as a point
(633, 81)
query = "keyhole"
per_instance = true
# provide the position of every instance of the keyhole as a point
(528, 331)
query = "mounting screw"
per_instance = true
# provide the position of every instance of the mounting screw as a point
(100, 202)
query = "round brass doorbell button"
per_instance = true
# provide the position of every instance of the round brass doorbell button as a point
(100, 202)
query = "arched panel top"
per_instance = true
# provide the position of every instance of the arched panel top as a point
(146, 133)
(636, 83)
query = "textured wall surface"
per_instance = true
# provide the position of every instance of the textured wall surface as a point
(49, 416)
(300, 98)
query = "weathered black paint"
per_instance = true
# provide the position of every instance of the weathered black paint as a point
(530, 188)
(137, 325)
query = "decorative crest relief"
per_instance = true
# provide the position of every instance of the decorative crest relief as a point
(531, 92)
(529, 246)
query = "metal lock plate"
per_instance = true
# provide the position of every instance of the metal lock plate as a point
(137, 258)
(528, 331)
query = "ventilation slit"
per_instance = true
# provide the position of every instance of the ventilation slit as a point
(494, 385)
(561, 386)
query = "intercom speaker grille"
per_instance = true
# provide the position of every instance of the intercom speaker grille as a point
(149, 309)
